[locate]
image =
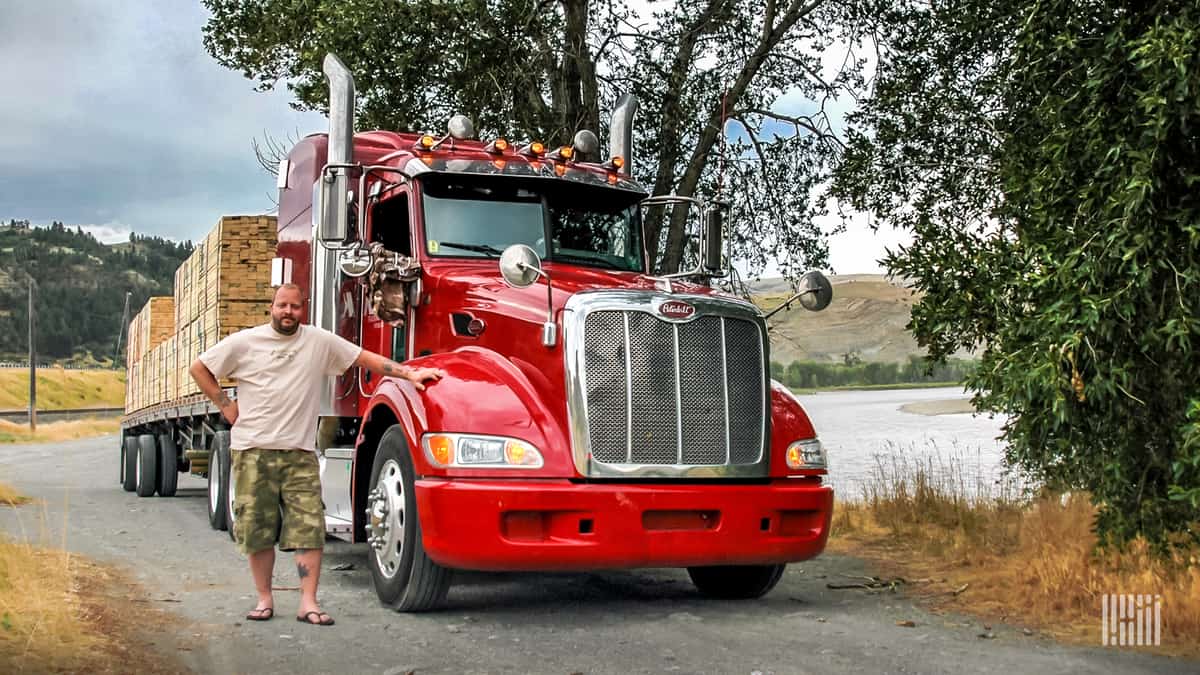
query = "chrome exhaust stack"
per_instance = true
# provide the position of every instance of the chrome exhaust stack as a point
(334, 224)
(620, 131)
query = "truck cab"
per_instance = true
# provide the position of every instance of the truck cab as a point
(593, 411)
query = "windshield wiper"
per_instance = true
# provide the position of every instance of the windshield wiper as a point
(588, 259)
(477, 248)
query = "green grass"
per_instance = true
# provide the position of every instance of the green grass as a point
(59, 388)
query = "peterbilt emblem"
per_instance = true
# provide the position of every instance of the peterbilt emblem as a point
(677, 310)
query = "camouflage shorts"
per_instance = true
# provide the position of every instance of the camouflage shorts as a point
(277, 498)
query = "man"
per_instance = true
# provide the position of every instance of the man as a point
(280, 368)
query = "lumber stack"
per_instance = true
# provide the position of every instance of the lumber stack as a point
(223, 287)
(150, 328)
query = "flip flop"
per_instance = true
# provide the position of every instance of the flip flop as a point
(323, 619)
(263, 614)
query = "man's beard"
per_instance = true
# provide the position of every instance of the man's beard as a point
(277, 324)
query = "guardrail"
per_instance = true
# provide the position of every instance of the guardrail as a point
(22, 416)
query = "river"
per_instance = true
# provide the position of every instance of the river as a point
(866, 431)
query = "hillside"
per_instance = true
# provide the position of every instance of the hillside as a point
(81, 286)
(866, 319)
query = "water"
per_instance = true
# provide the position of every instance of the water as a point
(861, 428)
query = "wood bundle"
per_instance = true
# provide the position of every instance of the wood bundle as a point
(223, 287)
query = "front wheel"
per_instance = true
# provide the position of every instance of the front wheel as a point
(403, 575)
(736, 582)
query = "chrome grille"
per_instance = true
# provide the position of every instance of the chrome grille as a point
(666, 393)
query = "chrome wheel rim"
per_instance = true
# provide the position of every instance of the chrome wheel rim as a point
(385, 519)
(229, 501)
(214, 480)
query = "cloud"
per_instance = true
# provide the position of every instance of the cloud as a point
(115, 114)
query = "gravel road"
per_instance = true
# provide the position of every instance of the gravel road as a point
(640, 621)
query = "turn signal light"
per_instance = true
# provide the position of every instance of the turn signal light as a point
(442, 449)
(497, 147)
(808, 454)
(425, 142)
(520, 454)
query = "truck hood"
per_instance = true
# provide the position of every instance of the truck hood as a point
(479, 286)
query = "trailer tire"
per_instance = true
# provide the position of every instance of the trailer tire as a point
(168, 466)
(404, 577)
(147, 465)
(218, 482)
(129, 453)
(736, 582)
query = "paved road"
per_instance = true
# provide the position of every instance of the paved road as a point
(642, 621)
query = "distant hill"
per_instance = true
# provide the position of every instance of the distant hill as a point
(81, 286)
(866, 320)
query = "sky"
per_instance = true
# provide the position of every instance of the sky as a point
(113, 117)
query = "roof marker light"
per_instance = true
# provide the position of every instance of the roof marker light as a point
(497, 147)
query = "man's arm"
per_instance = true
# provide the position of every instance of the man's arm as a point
(384, 366)
(212, 389)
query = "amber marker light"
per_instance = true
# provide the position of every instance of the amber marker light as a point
(517, 453)
(534, 149)
(497, 147)
(615, 164)
(441, 449)
(425, 143)
(807, 454)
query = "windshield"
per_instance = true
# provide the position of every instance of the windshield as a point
(479, 216)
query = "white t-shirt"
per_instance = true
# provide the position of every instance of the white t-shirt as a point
(279, 379)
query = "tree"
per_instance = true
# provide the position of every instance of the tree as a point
(1045, 156)
(710, 75)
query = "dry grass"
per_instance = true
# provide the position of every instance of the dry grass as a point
(1030, 562)
(10, 497)
(60, 612)
(11, 432)
(59, 388)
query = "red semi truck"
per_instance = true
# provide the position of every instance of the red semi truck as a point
(592, 415)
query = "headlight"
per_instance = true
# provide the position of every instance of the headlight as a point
(808, 454)
(477, 451)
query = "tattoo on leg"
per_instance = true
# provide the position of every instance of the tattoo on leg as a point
(302, 570)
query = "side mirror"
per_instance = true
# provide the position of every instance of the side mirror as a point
(714, 239)
(354, 263)
(520, 266)
(815, 291)
(334, 212)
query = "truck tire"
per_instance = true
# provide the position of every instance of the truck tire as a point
(404, 577)
(129, 453)
(168, 466)
(131, 464)
(218, 482)
(736, 582)
(147, 465)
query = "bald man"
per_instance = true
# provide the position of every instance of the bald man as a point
(280, 367)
